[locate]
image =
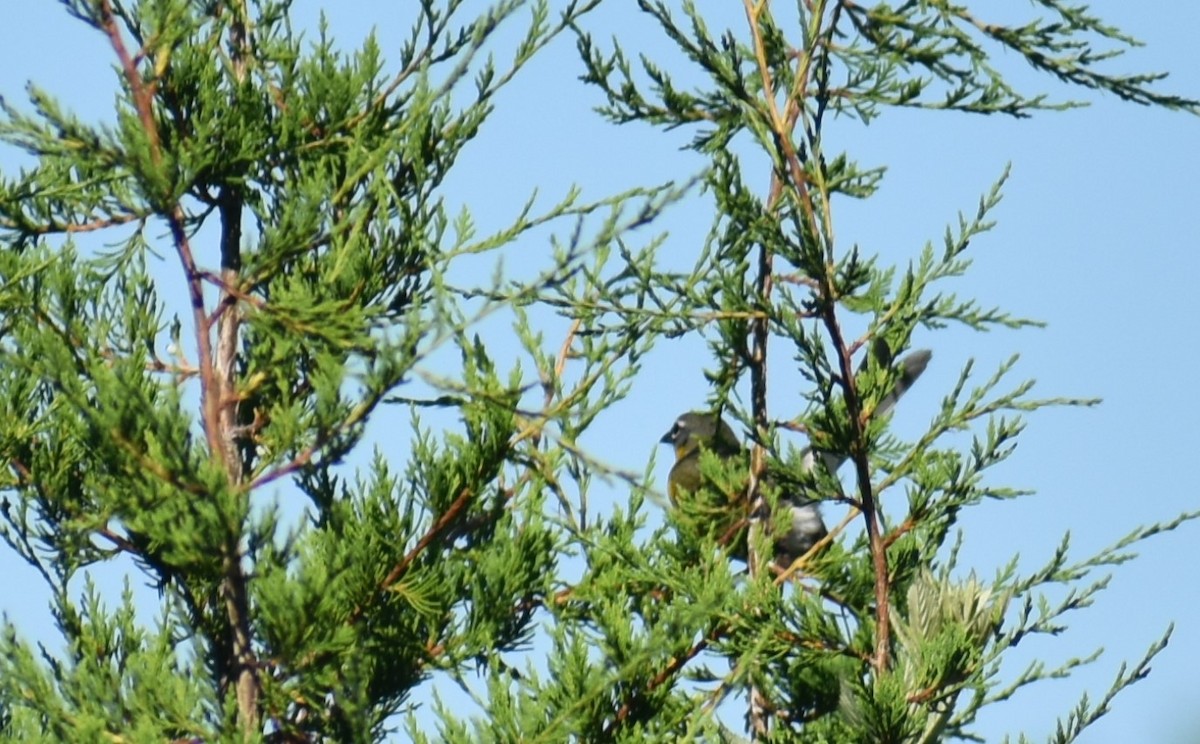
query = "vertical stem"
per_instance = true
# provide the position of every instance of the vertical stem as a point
(760, 333)
(234, 588)
(866, 494)
(218, 366)
(782, 125)
(228, 322)
(759, 329)
(235, 585)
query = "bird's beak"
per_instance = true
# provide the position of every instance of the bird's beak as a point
(669, 437)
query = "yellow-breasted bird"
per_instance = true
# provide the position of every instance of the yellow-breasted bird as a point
(722, 507)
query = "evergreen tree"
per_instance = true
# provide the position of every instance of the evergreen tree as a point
(299, 193)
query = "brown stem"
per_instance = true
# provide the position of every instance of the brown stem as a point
(441, 525)
(228, 322)
(142, 95)
(234, 587)
(305, 456)
(664, 675)
(783, 125)
(143, 102)
(759, 706)
(224, 404)
(862, 469)
(209, 391)
(234, 591)
(858, 451)
(216, 371)
(47, 228)
(759, 718)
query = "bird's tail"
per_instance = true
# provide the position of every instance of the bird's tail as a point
(911, 367)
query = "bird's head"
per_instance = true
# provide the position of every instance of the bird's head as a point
(701, 430)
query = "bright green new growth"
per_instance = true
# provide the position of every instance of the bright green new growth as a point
(207, 298)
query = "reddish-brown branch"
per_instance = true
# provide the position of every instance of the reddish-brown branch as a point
(222, 283)
(142, 97)
(908, 525)
(560, 362)
(291, 466)
(53, 227)
(866, 493)
(180, 371)
(402, 566)
(438, 527)
(176, 220)
(305, 457)
(210, 402)
(223, 406)
(441, 525)
(760, 327)
(829, 293)
(664, 675)
(118, 541)
(216, 370)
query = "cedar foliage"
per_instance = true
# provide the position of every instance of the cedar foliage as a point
(297, 192)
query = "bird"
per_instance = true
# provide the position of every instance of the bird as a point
(721, 507)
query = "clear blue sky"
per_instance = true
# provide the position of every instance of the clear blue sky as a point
(1097, 235)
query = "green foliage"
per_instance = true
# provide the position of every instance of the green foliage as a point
(114, 669)
(277, 270)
